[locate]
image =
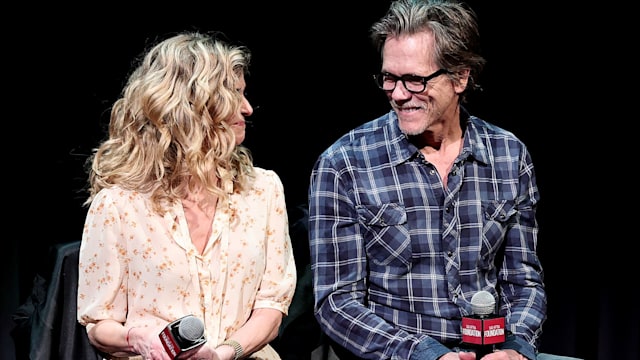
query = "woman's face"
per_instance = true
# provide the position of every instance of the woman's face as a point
(238, 123)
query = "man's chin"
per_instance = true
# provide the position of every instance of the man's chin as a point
(411, 128)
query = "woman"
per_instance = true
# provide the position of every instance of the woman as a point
(180, 222)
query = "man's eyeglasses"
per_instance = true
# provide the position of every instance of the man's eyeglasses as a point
(413, 83)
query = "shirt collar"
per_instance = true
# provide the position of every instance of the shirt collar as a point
(473, 145)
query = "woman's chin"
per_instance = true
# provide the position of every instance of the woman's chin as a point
(239, 137)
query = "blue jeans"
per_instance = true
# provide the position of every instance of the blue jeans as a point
(545, 356)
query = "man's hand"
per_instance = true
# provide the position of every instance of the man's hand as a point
(496, 355)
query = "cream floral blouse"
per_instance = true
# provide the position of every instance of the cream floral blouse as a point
(139, 268)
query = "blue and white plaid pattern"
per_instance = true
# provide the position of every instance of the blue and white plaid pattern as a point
(396, 257)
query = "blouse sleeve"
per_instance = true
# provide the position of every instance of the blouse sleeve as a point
(102, 264)
(279, 280)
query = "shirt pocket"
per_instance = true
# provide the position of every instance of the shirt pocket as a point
(386, 236)
(498, 215)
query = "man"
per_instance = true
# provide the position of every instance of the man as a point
(413, 213)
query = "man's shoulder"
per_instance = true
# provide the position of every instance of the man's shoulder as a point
(485, 127)
(371, 131)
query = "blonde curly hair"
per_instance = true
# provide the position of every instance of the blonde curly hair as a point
(168, 132)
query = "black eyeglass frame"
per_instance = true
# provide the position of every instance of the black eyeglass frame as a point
(379, 79)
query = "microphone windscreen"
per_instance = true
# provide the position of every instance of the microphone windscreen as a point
(483, 303)
(191, 328)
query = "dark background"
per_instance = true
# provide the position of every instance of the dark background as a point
(311, 82)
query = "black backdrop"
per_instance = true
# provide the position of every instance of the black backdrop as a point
(310, 82)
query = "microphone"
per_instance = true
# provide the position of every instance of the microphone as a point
(183, 336)
(483, 329)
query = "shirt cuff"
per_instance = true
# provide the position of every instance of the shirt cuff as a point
(518, 344)
(428, 349)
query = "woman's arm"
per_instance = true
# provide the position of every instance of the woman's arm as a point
(109, 336)
(261, 328)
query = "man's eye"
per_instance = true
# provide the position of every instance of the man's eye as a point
(389, 78)
(412, 79)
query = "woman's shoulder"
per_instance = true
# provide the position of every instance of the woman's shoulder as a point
(118, 194)
(117, 191)
(265, 173)
(266, 177)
